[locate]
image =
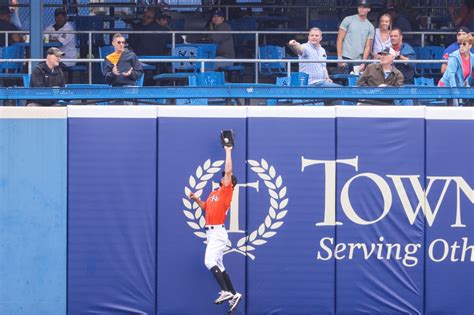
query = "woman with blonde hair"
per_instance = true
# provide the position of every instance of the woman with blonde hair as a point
(460, 63)
(382, 34)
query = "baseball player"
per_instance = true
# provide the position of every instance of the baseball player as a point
(216, 207)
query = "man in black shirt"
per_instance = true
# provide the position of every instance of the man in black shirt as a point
(148, 44)
(48, 74)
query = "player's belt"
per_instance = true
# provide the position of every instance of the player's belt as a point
(212, 227)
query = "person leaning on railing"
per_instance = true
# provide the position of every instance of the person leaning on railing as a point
(383, 74)
(459, 70)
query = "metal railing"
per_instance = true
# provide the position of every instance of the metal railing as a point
(203, 62)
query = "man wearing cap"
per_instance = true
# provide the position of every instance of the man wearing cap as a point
(382, 74)
(355, 37)
(68, 40)
(463, 30)
(216, 207)
(224, 42)
(48, 74)
(403, 51)
(122, 67)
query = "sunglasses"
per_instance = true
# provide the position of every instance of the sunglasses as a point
(465, 44)
(121, 42)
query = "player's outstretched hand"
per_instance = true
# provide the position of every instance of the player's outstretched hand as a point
(193, 196)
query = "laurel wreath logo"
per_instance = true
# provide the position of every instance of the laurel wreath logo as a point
(273, 221)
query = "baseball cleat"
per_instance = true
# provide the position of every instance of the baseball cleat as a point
(234, 302)
(223, 296)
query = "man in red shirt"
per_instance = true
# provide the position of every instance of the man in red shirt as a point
(216, 208)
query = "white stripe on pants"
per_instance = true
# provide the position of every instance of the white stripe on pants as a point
(216, 243)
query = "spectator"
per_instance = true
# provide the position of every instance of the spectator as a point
(67, 40)
(382, 35)
(6, 25)
(460, 63)
(122, 67)
(465, 15)
(403, 51)
(224, 42)
(312, 50)
(455, 46)
(164, 21)
(14, 18)
(48, 74)
(355, 37)
(382, 74)
(148, 44)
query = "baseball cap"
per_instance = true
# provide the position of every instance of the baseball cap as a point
(55, 51)
(387, 51)
(60, 11)
(218, 13)
(463, 29)
(364, 3)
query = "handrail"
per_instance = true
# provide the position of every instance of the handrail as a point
(203, 62)
(249, 91)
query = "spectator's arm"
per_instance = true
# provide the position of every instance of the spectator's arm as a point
(109, 76)
(367, 48)
(362, 81)
(37, 79)
(137, 69)
(66, 38)
(296, 47)
(399, 79)
(451, 72)
(340, 39)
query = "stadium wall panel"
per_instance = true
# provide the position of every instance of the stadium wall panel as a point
(339, 210)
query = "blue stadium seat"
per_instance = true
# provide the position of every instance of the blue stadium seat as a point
(429, 53)
(272, 68)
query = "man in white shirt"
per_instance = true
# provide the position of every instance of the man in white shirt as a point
(312, 50)
(67, 40)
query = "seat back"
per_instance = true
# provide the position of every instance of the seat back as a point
(140, 80)
(204, 51)
(352, 80)
(430, 53)
(296, 79)
(104, 51)
(210, 78)
(422, 81)
(271, 52)
(11, 52)
(26, 80)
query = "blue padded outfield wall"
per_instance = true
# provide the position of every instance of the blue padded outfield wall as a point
(339, 210)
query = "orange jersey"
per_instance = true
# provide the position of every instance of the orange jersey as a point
(217, 204)
(114, 57)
